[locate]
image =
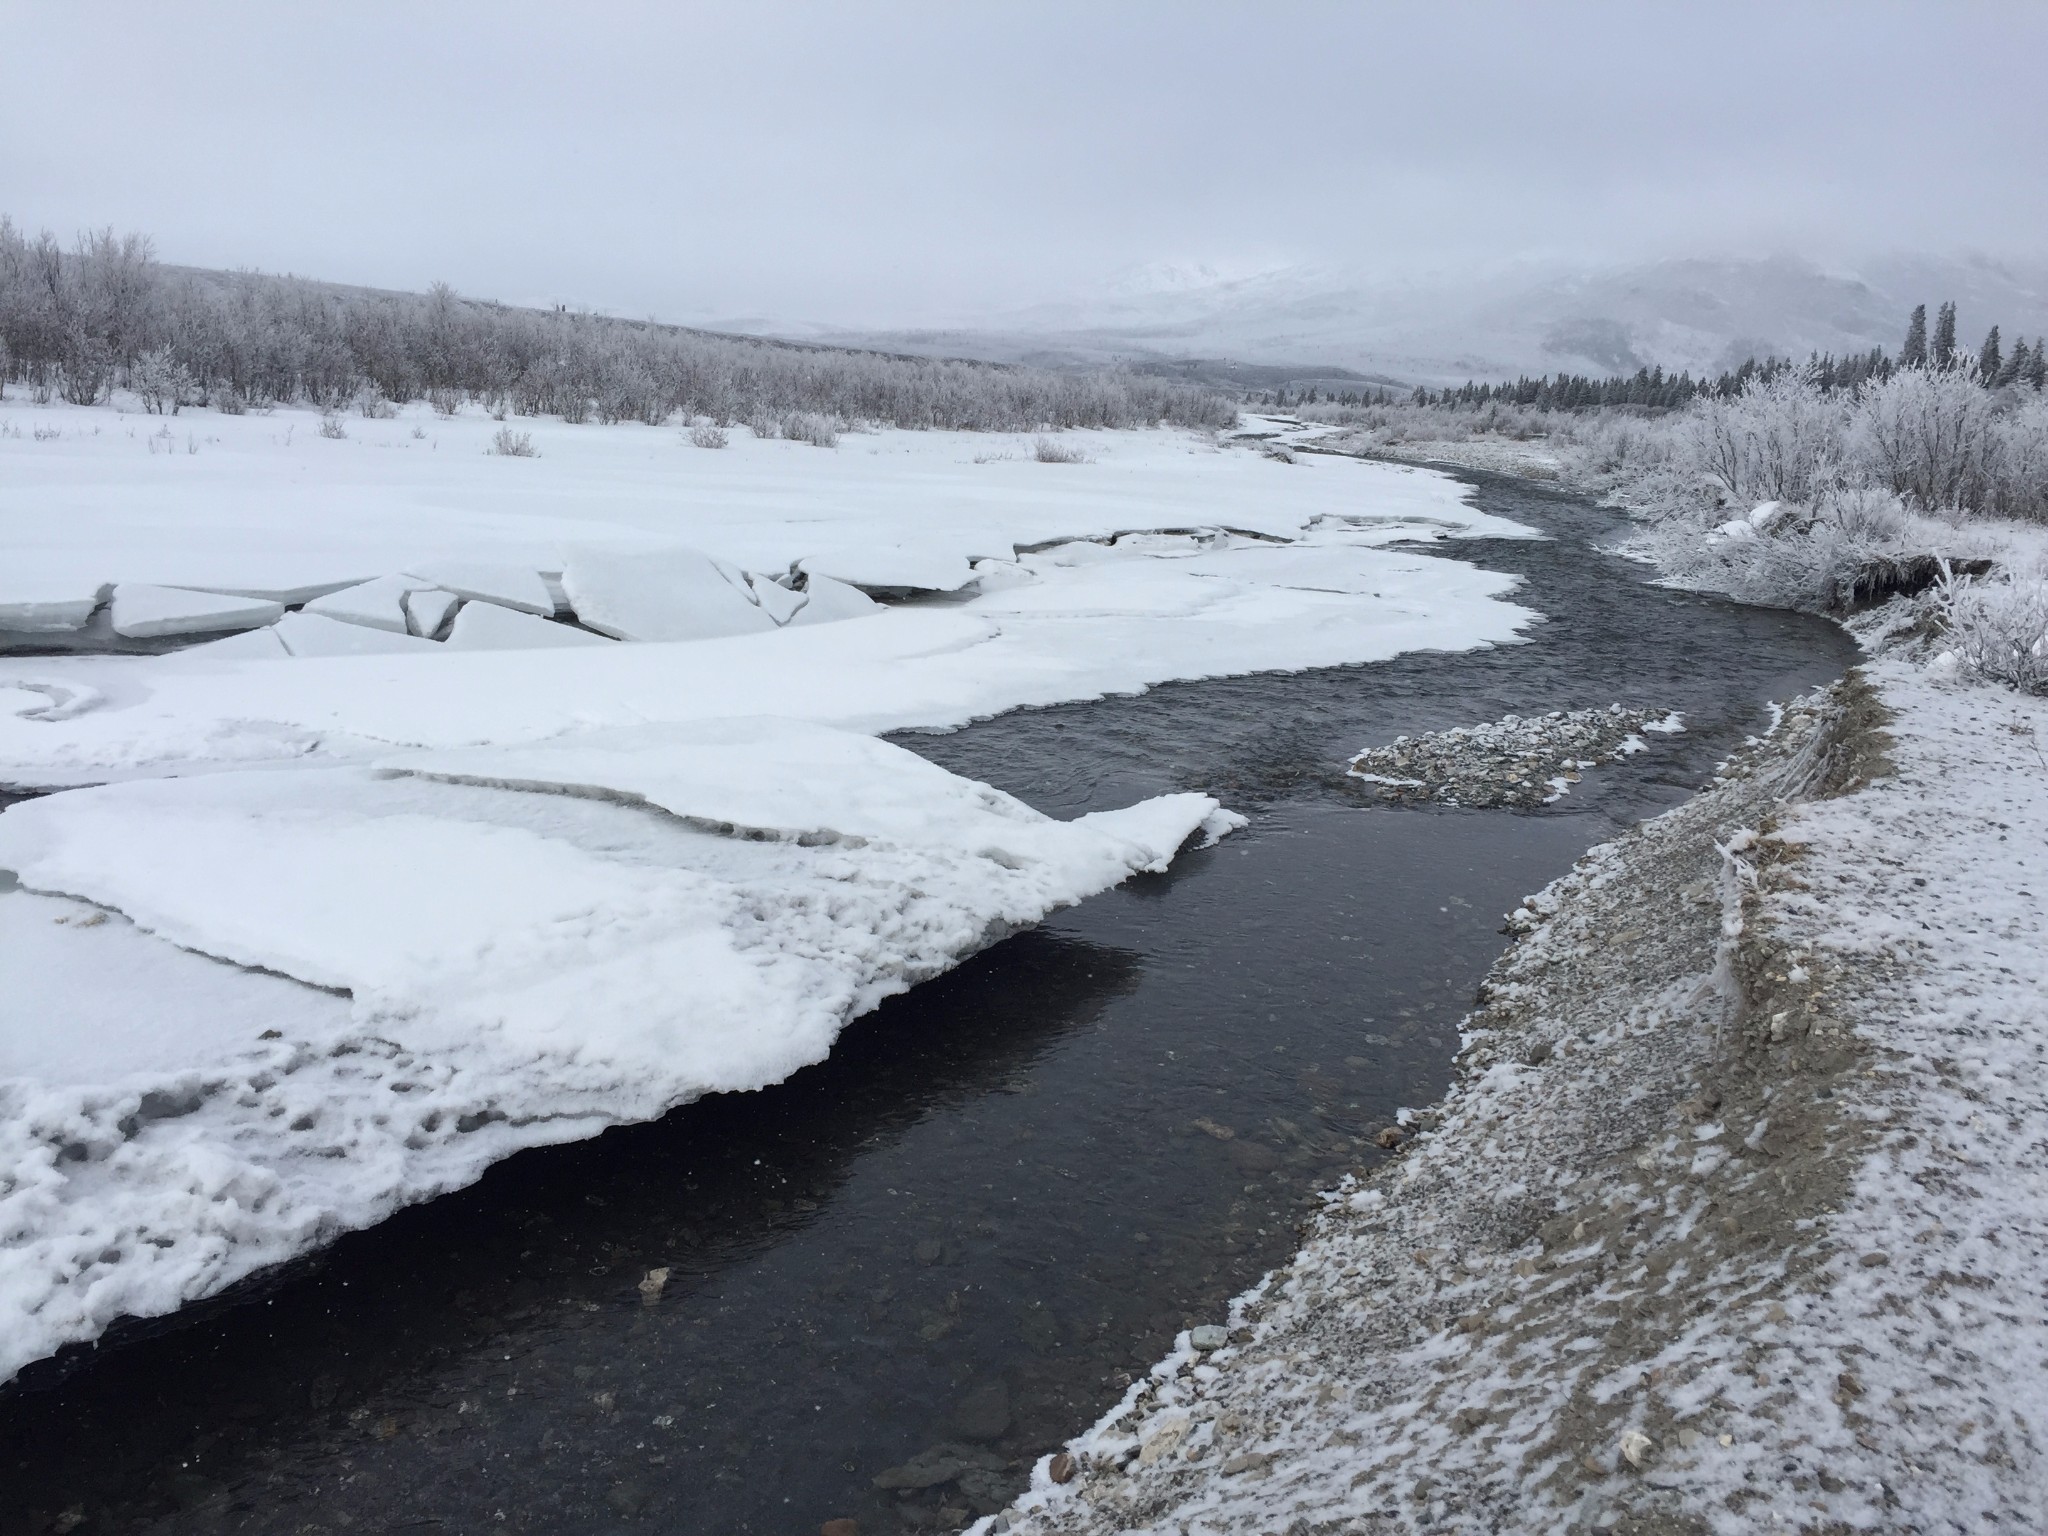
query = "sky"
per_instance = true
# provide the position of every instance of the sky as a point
(904, 163)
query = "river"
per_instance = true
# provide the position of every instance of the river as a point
(1004, 1193)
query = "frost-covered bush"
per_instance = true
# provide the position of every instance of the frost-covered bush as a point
(331, 426)
(1926, 434)
(161, 380)
(1997, 629)
(810, 427)
(507, 444)
(1050, 450)
(1856, 545)
(706, 434)
(1779, 440)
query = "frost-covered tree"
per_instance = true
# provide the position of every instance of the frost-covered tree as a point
(1914, 353)
(1944, 349)
(82, 320)
(1989, 359)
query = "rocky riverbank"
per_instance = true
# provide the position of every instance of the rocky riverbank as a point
(1731, 1219)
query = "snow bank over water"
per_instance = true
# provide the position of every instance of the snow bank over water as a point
(466, 954)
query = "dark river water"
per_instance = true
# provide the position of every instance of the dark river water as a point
(1004, 1193)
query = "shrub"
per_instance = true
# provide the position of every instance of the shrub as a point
(507, 444)
(1998, 629)
(704, 434)
(330, 426)
(161, 380)
(1050, 450)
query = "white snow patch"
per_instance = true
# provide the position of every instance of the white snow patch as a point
(311, 634)
(892, 567)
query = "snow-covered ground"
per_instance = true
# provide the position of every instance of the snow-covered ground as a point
(526, 796)
(1734, 1220)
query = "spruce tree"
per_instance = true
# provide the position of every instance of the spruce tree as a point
(2015, 366)
(1989, 359)
(1914, 353)
(2037, 371)
(1944, 353)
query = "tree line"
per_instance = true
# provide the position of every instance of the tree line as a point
(2022, 366)
(78, 323)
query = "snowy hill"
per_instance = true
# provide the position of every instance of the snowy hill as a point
(1696, 314)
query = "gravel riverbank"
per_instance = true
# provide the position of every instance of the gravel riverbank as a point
(1732, 1218)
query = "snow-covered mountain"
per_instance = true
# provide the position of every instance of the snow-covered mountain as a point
(1695, 314)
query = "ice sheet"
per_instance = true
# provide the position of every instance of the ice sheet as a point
(582, 958)
(141, 611)
(892, 567)
(35, 605)
(1119, 625)
(488, 627)
(378, 604)
(661, 594)
(428, 609)
(776, 600)
(827, 602)
(510, 586)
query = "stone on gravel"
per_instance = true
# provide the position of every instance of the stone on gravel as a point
(1209, 1336)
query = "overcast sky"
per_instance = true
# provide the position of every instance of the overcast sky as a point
(870, 163)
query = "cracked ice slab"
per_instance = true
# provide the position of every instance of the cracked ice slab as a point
(1051, 635)
(585, 956)
(488, 627)
(891, 567)
(379, 604)
(490, 581)
(33, 605)
(661, 594)
(142, 611)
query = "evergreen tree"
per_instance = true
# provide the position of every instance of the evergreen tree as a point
(1914, 352)
(2016, 366)
(1945, 336)
(2037, 367)
(1989, 361)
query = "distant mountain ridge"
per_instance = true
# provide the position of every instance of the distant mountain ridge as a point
(1697, 315)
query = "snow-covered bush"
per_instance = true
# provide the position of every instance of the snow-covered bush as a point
(507, 444)
(161, 380)
(706, 434)
(1050, 450)
(1997, 628)
(1926, 434)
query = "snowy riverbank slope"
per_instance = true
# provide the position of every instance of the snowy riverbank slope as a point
(525, 797)
(1734, 1219)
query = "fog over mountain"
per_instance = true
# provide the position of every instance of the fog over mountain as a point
(1696, 314)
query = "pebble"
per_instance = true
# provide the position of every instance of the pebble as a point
(1061, 1468)
(1209, 1336)
(839, 1528)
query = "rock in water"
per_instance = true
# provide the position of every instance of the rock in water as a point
(983, 1414)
